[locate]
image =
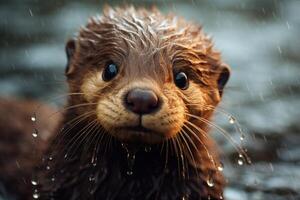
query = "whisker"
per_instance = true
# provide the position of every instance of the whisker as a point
(203, 144)
(79, 135)
(71, 107)
(74, 121)
(226, 135)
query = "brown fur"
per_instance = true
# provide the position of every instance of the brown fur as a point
(149, 49)
(19, 151)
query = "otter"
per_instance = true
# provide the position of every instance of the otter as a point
(142, 90)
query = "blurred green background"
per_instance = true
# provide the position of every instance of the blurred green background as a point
(259, 39)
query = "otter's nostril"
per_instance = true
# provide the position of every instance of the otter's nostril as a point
(142, 101)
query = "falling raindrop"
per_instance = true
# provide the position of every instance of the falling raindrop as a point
(221, 197)
(221, 167)
(52, 178)
(48, 167)
(231, 120)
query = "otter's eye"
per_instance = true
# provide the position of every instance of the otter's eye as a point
(181, 80)
(110, 71)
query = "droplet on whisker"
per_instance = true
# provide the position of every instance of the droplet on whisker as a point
(147, 149)
(35, 194)
(33, 118)
(129, 172)
(221, 167)
(35, 133)
(34, 182)
(91, 178)
(210, 182)
(231, 120)
(242, 137)
(240, 161)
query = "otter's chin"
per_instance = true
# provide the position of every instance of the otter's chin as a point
(138, 135)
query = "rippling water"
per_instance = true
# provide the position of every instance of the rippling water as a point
(258, 39)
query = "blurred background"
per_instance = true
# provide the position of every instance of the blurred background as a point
(259, 39)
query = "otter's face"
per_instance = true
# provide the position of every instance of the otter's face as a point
(144, 82)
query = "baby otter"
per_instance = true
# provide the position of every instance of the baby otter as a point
(142, 86)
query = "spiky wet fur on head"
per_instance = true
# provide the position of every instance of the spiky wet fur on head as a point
(149, 49)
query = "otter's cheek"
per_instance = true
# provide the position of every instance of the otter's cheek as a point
(91, 85)
(111, 115)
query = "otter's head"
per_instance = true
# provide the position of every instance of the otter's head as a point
(145, 74)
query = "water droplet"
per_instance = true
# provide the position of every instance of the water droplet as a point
(50, 158)
(242, 137)
(185, 197)
(147, 149)
(91, 178)
(129, 172)
(34, 182)
(48, 167)
(35, 133)
(210, 182)
(221, 167)
(123, 145)
(35, 194)
(66, 156)
(240, 161)
(130, 161)
(231, 120)
(130, 157)
(53, 179)
(94, 160)
(33, 118)
(221, 197)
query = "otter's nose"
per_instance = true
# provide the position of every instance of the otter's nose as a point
(141, 101)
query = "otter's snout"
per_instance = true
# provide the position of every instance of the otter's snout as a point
(141, 101)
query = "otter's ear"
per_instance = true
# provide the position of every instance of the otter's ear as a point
(70, 50)
(223, 77)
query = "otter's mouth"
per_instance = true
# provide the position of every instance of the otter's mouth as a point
(139, 129)
(138, 134)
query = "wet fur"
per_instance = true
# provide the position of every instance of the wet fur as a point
(86, 158)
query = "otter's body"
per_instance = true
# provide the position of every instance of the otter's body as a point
(142, 89)
(128, 171)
